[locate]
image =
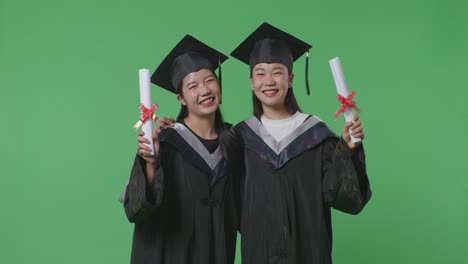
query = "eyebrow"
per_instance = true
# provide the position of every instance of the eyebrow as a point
(278, 68)
(190, 83)
(209, 76)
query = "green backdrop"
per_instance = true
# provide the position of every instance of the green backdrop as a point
(69, 98)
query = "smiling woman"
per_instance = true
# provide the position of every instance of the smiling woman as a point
(200, 96)
(183, 199)
(272, 88)
(296, 168)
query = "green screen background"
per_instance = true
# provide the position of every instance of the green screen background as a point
(69, 98)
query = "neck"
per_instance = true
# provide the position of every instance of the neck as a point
(275, 112)
(202, 126)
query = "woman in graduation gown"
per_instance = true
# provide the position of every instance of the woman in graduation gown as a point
(182, 198)
(296, 168)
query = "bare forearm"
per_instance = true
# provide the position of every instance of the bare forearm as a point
(149, 173)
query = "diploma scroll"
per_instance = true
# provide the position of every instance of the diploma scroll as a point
(145, 99)
(342, 89)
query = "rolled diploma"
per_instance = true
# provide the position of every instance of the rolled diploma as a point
(342, 89)
(145, 99)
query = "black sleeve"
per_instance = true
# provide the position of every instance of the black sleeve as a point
(345, 181)
(239, 176)
(142, 199)
(239, 180)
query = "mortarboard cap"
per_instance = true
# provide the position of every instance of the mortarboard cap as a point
(268, 44)
(189, 55)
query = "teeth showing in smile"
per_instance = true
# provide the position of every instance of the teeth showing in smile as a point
(272, 92)
(207, 101)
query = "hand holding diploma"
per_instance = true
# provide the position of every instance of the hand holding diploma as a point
(149, 154)
(354, 134)
(353, 129)
(148, 144)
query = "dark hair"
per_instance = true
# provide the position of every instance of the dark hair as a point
(290, 101)
(227, 137)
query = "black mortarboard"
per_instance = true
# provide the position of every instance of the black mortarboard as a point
(189, 55)
(268, 44)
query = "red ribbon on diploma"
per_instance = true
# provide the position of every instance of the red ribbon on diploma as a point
(146, 113)
(346, 102)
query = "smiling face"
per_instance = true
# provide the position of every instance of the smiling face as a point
(200, 93)
(270, 83)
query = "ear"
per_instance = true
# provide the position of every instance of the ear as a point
(290, 81)
(181, 99)
(251, 83)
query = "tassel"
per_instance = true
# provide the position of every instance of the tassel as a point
(220, 80)
(220, 76)
(307, 74)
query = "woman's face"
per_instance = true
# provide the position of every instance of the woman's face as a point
(200, 93)
(270, 83)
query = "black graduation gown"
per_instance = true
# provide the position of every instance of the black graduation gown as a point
(288, 190)
(187, 215)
